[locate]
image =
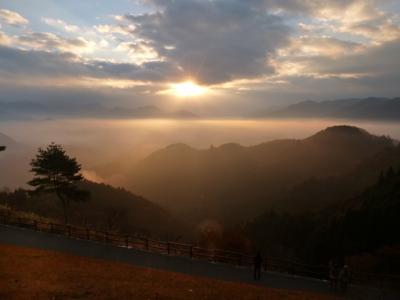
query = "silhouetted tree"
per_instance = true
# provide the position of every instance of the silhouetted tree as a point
(2, 148)
(56, 172)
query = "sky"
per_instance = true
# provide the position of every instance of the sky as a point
(209, 56)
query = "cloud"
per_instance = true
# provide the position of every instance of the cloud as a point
(139, 51)
(373, 61)
(61, 24)
(281, 49)
(320, 46)
(377, 31)
(12, 18)
(16, 62)
(119, 29)
(213, 41)
(4, 38)
(35, 65)
(361, 18)
(324, 9)
(50, 42)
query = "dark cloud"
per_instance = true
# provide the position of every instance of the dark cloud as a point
(39, 64)
(213, 41)
(16, 62)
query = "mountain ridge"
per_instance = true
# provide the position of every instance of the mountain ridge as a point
(372, 108)
(25, 110)
(246, 179)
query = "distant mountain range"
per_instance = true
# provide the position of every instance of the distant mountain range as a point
(368, 108)
(34, 110)
(247, 180)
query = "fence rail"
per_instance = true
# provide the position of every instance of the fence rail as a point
(187, 250)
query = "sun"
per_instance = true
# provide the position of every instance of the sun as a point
(187, 89)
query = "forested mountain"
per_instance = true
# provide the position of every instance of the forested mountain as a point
(315, 193)
(368, 108)
(234, 183)
(364, 232)
(108, 208)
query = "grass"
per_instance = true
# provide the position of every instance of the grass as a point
(40, 274)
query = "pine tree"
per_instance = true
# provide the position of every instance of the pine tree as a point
(57, 173)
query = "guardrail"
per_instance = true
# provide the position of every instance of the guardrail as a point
(187, 250)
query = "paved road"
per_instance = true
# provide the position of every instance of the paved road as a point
(41, 240)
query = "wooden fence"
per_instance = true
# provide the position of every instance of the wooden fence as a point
(187, 250)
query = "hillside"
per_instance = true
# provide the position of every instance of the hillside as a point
(108, 208)
(368, 108)
(371, 217)
(315, 193)
(360, 231)
(203, 183)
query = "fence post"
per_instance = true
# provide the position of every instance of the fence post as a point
(4, 219)
(35, 224)
(87, 234)
(106, 236)
(191, 251)
(69, 230)
(240, 260)
(127, 241)
(147, 244)
(51, 227)
(168, 248)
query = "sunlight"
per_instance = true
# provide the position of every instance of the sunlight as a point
(187, 89)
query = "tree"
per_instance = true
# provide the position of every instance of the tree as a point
(2, 148)
(56, 172)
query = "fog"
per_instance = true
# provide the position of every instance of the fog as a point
(107, 148)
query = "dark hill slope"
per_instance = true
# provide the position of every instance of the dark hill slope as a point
(233, 182)
(108, 208)
(316, 193)
(367, 227)
(370, 225)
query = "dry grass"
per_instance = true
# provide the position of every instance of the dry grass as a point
(39, 274)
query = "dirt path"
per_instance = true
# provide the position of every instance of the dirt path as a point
(41, 240)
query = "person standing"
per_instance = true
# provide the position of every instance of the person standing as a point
(257, 266)
(333, 274)
(344, 278)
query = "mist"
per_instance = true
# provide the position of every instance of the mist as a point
(107, 149)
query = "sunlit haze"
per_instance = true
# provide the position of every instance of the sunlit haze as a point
(187, 89)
